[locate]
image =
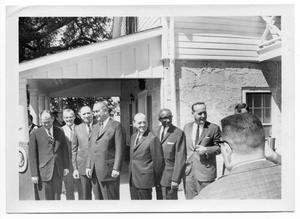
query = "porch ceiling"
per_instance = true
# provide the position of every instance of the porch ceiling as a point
(76, 87)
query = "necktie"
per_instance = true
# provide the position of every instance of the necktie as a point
(50, 137)
(137, 139)
(71, 133)
(90, 131)
(163, 133)
(197, 135)
(101, 128)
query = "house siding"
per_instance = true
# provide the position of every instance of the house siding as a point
(218, 38)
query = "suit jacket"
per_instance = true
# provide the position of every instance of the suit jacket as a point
(146, 161)
(80, 148)
(66, 129)
(174, 149)
(106, 150)
(44, 153)
(256, 180)
(202, 167)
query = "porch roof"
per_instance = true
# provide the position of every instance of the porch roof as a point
(130, 56)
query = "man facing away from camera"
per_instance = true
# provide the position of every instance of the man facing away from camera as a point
(201, 146)
(146, 160)
(48, 158)
(250, 175)
(173, 144)
(70, 183)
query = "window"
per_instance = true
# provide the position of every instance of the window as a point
(259, 103)
(131, 25)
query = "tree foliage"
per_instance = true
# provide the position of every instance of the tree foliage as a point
(40, 36)
(75, 103)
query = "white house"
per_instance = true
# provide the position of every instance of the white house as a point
(170, 62)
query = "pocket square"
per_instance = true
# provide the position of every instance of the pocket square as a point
(170, 143)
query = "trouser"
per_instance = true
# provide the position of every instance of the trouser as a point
(139, 194)
(86, 187)
(72, 185)
(105, 190)
(166, 193)
(192, 186)
(50, 190)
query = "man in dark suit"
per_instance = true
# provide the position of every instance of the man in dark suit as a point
(201, 146)
(106, 154)
(70, 183)
(49, 158)
(31, 125)
(146, 160)
(80, 147)
(173, 144)
(250, 174)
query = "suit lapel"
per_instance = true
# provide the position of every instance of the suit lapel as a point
(204, 131)
(190, 132)
(55, 135)
(105, 128)
(143, 138)
(170, 130)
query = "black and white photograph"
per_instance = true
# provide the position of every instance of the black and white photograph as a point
(150, 108)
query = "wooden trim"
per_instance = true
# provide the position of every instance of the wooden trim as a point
(96, 47)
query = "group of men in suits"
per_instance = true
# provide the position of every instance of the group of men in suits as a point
(93, 153)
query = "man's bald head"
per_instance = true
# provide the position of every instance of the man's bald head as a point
(140, 122)
(47, 119)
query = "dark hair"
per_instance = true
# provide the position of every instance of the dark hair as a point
(238, 108)
(30, 117)
(198, 103)
(243, 129)
(169, 113)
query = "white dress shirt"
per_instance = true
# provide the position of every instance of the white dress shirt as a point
(194, 131)
(69, 132)
(162, 130)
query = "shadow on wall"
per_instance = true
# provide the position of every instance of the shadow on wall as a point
(272, 74)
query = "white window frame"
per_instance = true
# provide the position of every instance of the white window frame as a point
(258, 90)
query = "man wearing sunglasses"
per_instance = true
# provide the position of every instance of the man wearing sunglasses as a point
(201, 137)
(173, 144)
(251, 175)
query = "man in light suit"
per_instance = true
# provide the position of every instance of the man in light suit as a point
(251, 175)
(146, 160)
(173, 144)
(80, 148)
(105, 155)
(48, 158)
(201, 138)
(70, 183)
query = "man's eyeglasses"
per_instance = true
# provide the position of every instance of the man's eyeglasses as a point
(163, 118)
(222, 143)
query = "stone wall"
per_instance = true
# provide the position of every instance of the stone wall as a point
(220, 83)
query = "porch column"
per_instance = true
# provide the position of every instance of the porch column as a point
(41, 102)
(23, 93)
(33, 106)
(23, 117)
(47, 103)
